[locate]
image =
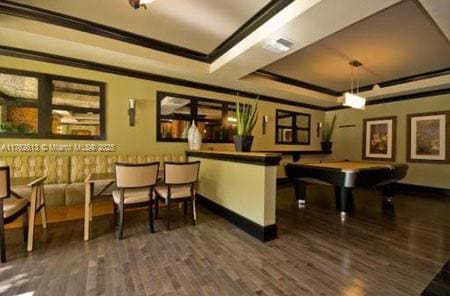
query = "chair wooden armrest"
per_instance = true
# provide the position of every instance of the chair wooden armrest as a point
(38, 181)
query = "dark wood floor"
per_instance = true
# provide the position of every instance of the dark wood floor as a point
(371, 253)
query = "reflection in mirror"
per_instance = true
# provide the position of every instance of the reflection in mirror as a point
(174, 129)
(175, 118)
(75, 123)
(173, 105)
(18, 87)
(302, 121)
(18, 120)
(75, 94)
(209, 120)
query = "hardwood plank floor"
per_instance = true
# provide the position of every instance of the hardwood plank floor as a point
(371, 253)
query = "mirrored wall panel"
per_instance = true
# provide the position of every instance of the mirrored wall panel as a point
(215, 119)
(292, 128)
(49, 106)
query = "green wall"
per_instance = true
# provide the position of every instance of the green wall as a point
(348, 141)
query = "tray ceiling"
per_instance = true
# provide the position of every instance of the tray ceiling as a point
(200, 25)
(397, 42)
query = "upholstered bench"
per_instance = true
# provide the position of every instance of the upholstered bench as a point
(66, 173)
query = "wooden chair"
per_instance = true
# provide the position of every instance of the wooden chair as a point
(135, 184)
(37, 205)
(179, 186)
(10, 209)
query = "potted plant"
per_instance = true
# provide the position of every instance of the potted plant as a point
(246, 116)
(327, 133)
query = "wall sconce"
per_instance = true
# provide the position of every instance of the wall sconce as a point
(319, 128)
(131, 111)
(265, 120)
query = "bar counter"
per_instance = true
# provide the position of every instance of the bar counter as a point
(241, 187)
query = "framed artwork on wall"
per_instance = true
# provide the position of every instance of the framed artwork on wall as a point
(428, 137)
(379, 138)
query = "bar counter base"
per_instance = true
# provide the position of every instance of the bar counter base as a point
(263, 233)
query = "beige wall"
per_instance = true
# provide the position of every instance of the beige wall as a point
(142, 138)
(348, 141)
(246, 189)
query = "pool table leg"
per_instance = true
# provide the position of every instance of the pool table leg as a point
(300, 192)
(344, 199)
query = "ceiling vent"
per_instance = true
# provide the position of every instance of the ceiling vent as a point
(280, 45)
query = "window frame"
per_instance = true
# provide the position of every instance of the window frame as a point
(45, 106)
(193, 116)
(293, 127)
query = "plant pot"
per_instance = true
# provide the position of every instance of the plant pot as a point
(326, 146)
(243, 143)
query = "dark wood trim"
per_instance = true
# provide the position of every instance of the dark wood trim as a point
(447, 137)
(295, 82)
(332, 92)
(266, 13)
(296, 154)
(403, 187)
(59, 19)
(268, 160)
(263, 233)
(294, 127)
(412, 78)
(72, 62)
(411, 96)
(45, 107)
(284, 181)
(394, 138)
(83, 25)
(399, 98)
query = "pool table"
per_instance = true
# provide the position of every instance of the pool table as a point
(344, 176)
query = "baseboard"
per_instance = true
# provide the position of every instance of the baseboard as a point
(263, 233)
(402, 187)
(282, 181)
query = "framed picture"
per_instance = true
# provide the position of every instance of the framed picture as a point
(429, 137)
(379, 137)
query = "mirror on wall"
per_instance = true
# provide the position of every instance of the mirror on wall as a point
(292, 128)
(50, 106)
(215, 119)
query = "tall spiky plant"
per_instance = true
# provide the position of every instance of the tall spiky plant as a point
(246, 116)
(328, 129)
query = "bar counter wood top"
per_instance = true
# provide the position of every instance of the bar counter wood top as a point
(257, 158)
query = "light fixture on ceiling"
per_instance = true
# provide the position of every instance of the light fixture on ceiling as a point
(279, 45)
(139, 3)
(352, 98)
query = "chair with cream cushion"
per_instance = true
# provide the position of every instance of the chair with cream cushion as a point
(10, 209)
(135, 184)
(179, 187)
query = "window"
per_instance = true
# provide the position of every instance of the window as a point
(215, 119)
(48, 106)
(292, 128)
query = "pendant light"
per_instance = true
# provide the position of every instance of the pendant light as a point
(352, 98)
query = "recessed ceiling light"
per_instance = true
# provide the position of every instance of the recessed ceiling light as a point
(280, 45)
